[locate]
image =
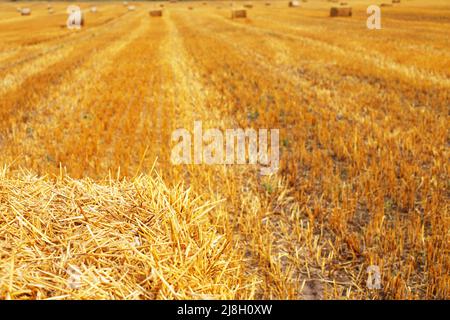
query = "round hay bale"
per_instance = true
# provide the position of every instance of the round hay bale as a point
(94, 9)
(131, 8)
(239, 13)
(341, 12)
(25, 11)
(155, 13)
(294, 4)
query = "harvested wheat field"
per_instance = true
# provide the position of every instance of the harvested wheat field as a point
(92, 205)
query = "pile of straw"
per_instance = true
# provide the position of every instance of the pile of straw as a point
(130, 239)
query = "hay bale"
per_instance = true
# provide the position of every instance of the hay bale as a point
(94, 9)
(238, 14)
(386, 5)
(161, 5)
(294, 4)
(131, 8)
(190, 8)
(341, 12)
(50, 11)
(248, 6)
(25, 11)
(100, 203)
(343, 3)
(155, 13)
(395, 1)
(268, 4)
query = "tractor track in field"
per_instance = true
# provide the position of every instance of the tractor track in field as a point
(200, 93)
(290, 73)
(383, 63)
(89, 35)
(48, 59)
(58, 102)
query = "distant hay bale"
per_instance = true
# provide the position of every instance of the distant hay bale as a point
(94, 9)
(190, 8)
(161, 5)
(395, 1)
(50, 11)
(294, 4)
(25, 11)
(131, 8)
(248, 6)
(386, 5)
(341, 12)
(267, 3)
(238, 14)
(343, 3)
(156, 13)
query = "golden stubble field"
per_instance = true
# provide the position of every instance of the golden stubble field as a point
(91, 206)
